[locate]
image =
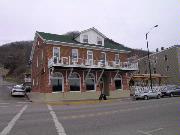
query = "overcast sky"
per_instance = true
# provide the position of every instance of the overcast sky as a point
(124, 21)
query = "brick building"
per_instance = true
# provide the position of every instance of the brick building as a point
(165, 62)
(75, 65)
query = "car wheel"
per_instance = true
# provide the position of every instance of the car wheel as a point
(158, 96)
(146, 98)
(170, 95)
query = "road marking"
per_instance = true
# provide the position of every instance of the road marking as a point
(3, 106)
(10, 125)
(4, 103)
(18, 105)
(149, 132)
(22, 102)
(59, 127)
(145, 133)
(155, 130)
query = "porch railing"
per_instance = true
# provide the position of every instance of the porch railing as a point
(80, 62)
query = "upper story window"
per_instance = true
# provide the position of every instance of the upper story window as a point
(90, 55)
(74, 55)
(99, 41)
(42, 55)
(56, 54)
(117, 58)
(37, 62)
(85, 38)
(165, 57)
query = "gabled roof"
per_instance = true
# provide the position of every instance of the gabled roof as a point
(108, 43)
(94, 29)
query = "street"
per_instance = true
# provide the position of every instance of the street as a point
(120, 117)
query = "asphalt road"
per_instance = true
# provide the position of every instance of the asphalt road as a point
(121, 117)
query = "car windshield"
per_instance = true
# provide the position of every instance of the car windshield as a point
(18, 87)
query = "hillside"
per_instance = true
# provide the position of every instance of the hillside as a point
(15, 56)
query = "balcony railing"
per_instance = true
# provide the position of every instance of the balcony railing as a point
(85, 63)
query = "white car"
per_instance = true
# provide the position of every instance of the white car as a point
(148, 94)
(18, 90)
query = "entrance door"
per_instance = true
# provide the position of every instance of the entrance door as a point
(74, 82)
(118, 81)
(90, 82)
(57, 82)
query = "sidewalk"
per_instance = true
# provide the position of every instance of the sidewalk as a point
(87, 102)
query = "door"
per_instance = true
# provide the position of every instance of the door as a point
(57, 82)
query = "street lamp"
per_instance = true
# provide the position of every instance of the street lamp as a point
(148, 54)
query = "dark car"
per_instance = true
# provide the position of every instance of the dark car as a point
(171, 91)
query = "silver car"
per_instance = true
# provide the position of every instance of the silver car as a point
(18, 90)
(147, 95)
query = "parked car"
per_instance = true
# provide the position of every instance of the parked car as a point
(171, 91)
(18, 90)
(147, 95)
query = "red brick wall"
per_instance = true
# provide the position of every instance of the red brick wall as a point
(42, 72)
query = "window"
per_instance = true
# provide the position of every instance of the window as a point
(145, 62)
(56, 54)
(116, 58)
(42, 55)
(85, 38)
(99, 41)
(33, 82)
(74, 55)
(154, 69)
(89, 57)
(37, 82)
(74, 82)
(103, 58)
(165, 58)
(145, 71)
(118, 81)
(90, 82)
(37, 62)
(57, 81)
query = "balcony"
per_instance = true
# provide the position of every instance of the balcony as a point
(84, 63)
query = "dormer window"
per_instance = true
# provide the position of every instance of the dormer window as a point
(99, 41)
(85, 38)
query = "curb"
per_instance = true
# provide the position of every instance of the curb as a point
(82, 102)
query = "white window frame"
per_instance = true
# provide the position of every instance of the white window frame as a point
(37, 62)
(33, 82)
(37, 82)
(75, 59)
(116, 59)
(58, 53)
(88, 59)
(85, 37)
(104, 56)
(99, 39)
(42, 55)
